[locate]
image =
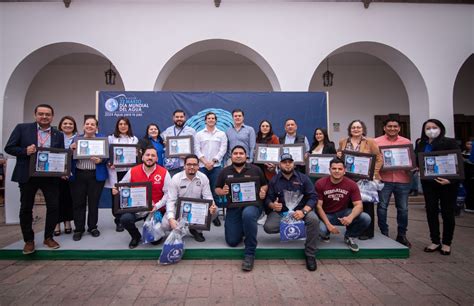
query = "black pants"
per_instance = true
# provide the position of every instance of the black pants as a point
(50, 188)
(369, 209)
(436, 196)
(120, 176)
(65, 202)
(86, 192)
(469, 185)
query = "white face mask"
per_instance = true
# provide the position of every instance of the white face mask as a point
(432, 133)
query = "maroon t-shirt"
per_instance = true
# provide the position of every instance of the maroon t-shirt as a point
(336, 197)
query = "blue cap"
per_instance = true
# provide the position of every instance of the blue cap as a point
(286, 156)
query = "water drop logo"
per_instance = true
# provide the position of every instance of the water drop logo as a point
(292, 232)
(224, 119)
(111, 105)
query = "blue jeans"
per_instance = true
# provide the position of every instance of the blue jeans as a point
(242, 222)
(355, 229)
(212, 176)
(400, 192)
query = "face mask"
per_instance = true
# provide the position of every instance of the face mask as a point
(432, 133)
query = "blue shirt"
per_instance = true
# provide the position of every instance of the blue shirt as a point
(244, 137)
(428, 147)
(160, 149)
(471, 157)
(298, 181)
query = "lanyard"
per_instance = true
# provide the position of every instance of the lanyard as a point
(41, 140)
(174, 131)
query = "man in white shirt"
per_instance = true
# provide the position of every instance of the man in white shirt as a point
(189, 183)
(210, 147)
(175, 165)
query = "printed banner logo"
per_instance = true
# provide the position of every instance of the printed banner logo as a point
(125, 106)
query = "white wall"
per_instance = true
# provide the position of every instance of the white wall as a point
(360, 92)
(70, 89)
(217, 78)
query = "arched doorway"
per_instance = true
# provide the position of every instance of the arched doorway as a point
(463, 96)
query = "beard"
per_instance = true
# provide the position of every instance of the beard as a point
(286, 171)
(238, 164)
(180, 123)
(149, 163)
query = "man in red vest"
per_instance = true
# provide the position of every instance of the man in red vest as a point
(149, 171)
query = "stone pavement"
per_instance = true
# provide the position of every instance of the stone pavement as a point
(422, 279)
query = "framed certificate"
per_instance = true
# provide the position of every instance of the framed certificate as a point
(124, 155)
(50, 162)
(359, 165)
(398, 157)
(446, 164)
(267, 153)
(133, 197)
(195, 212)
(91, 147)
(296, 151)
(243, 191)
(179, 146)
(317, 165)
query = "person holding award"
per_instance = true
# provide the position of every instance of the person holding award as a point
(397, 182)
(87, 181)
(265, 135)
(122, 134)
(359, 142)
(275, 207)
(189, 183)
(440, 192)
(23, 143)
(175, 165)
(241, 222)
(68, 126)
(149, 171)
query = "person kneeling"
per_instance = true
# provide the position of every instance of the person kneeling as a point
(292, 180)
(334, 194)
(149, 171)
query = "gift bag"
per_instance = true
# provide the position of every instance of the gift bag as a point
(369, 190)
(290, 228)
(173, 249)
(152, 230)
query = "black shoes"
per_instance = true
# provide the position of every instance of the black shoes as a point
(247, 264)
(134, 242)
(445, 250)
(403, 240)
(311, 263)
(119, 228)
(199, 237)
(432, 248)
(77, 236)
(94, 232)
(216, 222)
(157, 242)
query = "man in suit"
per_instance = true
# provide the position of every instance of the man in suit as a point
(23, 141)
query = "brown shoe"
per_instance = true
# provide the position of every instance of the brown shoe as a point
(29, 247)
(50, 243)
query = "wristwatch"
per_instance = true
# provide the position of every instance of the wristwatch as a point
(305, 212)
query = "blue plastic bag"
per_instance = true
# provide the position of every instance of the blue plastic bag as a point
(152, 230)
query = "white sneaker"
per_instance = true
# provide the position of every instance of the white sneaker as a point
(262, 220)
(351, 244)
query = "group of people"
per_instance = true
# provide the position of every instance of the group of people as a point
(331, 201)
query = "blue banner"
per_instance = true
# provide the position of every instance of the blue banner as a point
(309, 109)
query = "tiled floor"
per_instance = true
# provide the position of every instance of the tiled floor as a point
(422, 279)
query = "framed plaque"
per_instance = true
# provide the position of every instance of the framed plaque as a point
(317, 165)
(50, 162)
(124, 155)
(195, 212)
(359, 165)
(398, 157)
(296, 150)
(133, 197)
(179, 146)
(446, 164)
(91, 147)
(243, 191)
(267, 153)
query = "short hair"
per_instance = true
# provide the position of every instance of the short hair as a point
(150, 148)
(336, 160)
(127, 121)
(46, 106)
(288, 119)
(238, 147)
(179, 111)
(91, 117)
(364, 127)
(391, 119)
(68, 118)
(209, 114)
(238, 110)
(190, 156)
